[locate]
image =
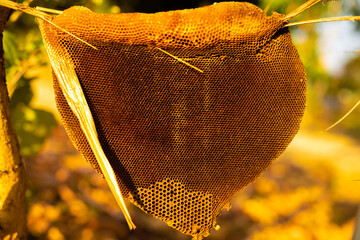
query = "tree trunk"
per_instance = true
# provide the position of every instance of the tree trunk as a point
(12, 172)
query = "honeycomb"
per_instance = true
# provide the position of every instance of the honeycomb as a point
(190, 106)
(170, 201)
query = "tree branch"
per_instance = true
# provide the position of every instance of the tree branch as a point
(12, 172)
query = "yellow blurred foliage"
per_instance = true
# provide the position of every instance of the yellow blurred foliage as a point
(40, 217)
(311, 193)
(74, 162)
(66, 193)
(268, 210)
(304, 195)
(55, 234)
(62, 174)
(265, 186)
(281, 232)
(87, 233)
(311, 224)
(79, 210)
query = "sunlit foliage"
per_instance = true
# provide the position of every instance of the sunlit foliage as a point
(311, 192)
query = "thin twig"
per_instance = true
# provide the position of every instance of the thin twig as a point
(180, 60)
(320, 20)
(39, 14)
(48, 10)
(301, 9)
(25, 65)
(356, 234)
(268, 6)
(12, 82)
(341, 119)
(83, 41)
(25, 9)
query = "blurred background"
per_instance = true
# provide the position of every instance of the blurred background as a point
(311, 192)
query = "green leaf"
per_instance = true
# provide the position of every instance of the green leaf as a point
(32, 126)
(11, 54)
(22, 93)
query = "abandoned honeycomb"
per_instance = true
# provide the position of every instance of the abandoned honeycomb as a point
(190, 106)
(170, 201)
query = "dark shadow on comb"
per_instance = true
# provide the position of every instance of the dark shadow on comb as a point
(280, 32)
(275, 35)
(74, 132)
(112, 157)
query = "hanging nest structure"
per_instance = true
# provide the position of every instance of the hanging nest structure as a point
(177, 110)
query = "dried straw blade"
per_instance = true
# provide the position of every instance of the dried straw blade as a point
(75, 97)
(301, 9)
(64, 70)
(320, 20)
(268, 6)
(356, 234)
(48, 10)
(39, 14)
(309, 4)
(181, 60)
(345, 116)
(26, 9)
